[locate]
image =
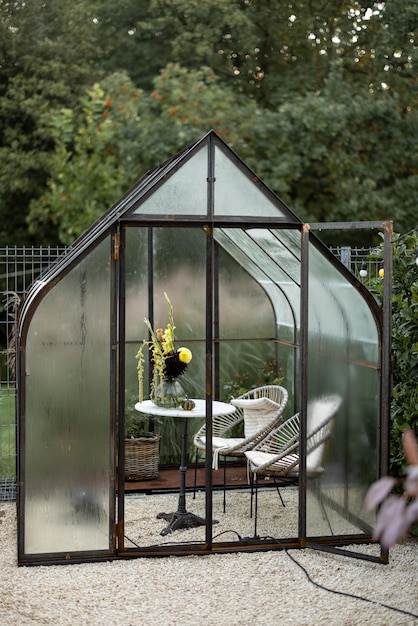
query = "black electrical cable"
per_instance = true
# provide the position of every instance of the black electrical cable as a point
(340, 593)
(305, 571)
(166, 543)
(225, 532)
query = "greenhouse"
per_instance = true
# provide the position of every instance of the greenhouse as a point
(284, 376)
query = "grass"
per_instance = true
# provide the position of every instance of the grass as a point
(7, 433)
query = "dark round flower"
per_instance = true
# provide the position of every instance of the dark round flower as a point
(173, 366)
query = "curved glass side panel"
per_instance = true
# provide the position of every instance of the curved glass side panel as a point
(270, 276)
(184, 192)
(68, 461)
(285, 256)
(245, 311)
(341, 469)
(349, 314)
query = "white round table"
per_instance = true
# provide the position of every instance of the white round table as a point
(218, 408)
(182, 518)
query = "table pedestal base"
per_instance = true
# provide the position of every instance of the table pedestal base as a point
(182, 518)
(179, 520)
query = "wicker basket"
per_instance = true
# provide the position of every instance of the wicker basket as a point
(141, 458)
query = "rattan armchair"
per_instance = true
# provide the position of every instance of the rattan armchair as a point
(257, 412)
(278, 454)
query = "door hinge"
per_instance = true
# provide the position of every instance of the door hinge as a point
(116, 246)
(117, 534)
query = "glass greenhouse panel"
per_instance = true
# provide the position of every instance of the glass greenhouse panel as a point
(288, 259)
(290, 239)
(184, 192)
(245, 308)
(178, 269)
(136, 283)
(236, 193)
(256, 363)
(351, 464)
(266, 272)
(346, 463)
(349, 314)
(179, 257)
(68, 453)
(243, 363)
(288, 366)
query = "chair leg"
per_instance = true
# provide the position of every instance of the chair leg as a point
(252, 492)
(224, 484)
(195, 474)
(278, 490)
(256, 506)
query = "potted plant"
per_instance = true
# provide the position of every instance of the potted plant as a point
(141, 445)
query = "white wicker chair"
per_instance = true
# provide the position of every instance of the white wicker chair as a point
(258, 412)
(278, 454)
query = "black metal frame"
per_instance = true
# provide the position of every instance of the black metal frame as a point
(114, 224)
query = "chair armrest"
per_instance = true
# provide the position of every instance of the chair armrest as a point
(221, 425)
(255, 403)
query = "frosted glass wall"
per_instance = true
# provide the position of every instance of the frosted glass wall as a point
(68, 462)
(342, 361)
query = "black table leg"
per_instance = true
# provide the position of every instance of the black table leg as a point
(182, 518)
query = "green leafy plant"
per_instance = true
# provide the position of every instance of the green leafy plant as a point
(7, 434)
(136, 424)
(404, 406)
(270, 374)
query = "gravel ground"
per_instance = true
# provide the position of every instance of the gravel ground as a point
(234, 589)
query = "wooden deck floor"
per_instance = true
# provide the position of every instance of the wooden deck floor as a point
(169, 479)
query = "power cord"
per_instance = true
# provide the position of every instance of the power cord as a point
(169, 543)
(304, 570)
(339, 593)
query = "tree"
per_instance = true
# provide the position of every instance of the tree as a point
(345, 156)
(269, 49)
(118, 132)
(306, 151)
(46, 52)
(324, 90)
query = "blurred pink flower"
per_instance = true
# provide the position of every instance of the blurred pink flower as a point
(392, 521)
(378, 492)
(396, 514)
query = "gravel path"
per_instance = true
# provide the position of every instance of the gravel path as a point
(235, 589)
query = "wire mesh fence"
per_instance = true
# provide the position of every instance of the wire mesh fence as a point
(365, 263)
(19, 267)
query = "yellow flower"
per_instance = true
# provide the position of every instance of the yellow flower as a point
(185, 355)
(167, 362)
(168, 335)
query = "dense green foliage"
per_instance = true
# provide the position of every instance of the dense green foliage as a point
(318, 97)
(46, 52)
(404, 408)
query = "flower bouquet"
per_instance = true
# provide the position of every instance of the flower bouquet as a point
(167, 362)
